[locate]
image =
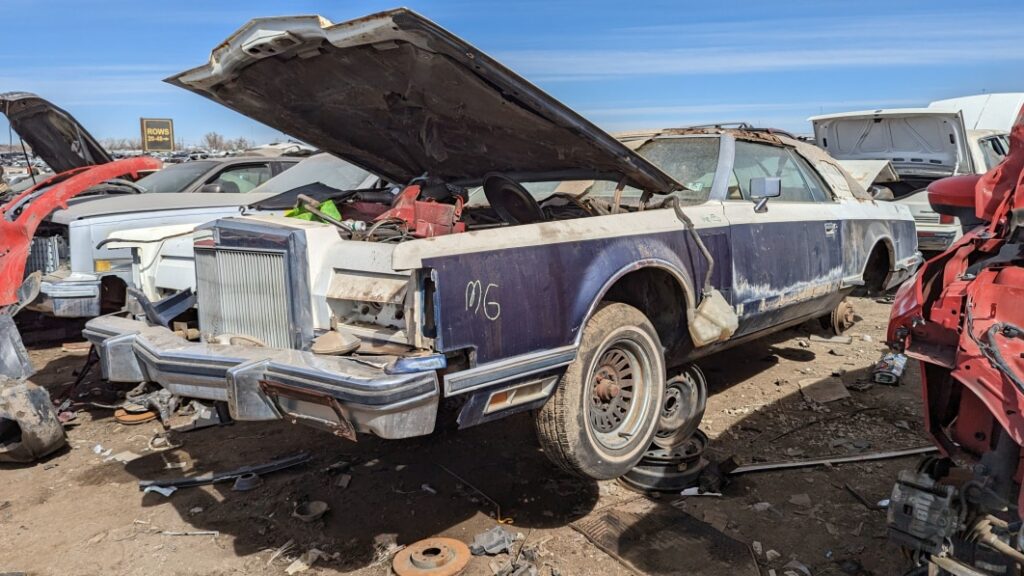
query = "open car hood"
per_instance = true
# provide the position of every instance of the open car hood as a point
(923, 142)
(401, 97)
(54, 135)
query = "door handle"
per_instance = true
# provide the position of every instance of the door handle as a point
(830, 228)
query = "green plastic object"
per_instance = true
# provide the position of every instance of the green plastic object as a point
(301, 213)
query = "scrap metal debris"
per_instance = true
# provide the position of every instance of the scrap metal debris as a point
(29, 426)
(494, 541)
(871, 456)
(215, 477)
(823, 390)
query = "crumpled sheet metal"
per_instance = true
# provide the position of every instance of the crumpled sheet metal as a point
(29, 428)
(14, 360)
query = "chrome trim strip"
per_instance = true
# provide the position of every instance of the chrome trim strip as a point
(508, 369)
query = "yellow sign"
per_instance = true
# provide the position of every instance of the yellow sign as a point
(157, 134)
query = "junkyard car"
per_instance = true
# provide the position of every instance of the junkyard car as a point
(81, 163)
(577, 306)
(82, 277)
(961, 318)
(924, 145)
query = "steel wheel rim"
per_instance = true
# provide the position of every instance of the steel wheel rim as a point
(617, 394)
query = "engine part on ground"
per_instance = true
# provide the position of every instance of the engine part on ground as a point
(671, 470)
(842, 318)
(29, 427)
(309, 511)
(889, 369)
(127, 418)
(14, 361)
(494, 541)
(686, 397)
(432, 557)
(205, 416)
(215, 477)
(921, 515)
(424, 218)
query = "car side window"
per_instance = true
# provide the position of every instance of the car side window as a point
(761, 160)
(993, 151)
(242, 179)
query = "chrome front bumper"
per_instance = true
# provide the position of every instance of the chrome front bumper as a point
(340, 393)
(74, 296)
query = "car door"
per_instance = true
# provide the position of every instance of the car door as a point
(785, 259)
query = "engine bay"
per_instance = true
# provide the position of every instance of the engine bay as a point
(424, 209)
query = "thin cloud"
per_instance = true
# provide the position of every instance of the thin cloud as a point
(568, 65)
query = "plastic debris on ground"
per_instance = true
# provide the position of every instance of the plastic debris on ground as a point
(889, 369)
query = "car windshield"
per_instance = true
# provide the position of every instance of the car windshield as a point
(690, 160)
(323, 168)
(175, 178)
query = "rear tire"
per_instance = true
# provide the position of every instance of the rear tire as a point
(605, 410)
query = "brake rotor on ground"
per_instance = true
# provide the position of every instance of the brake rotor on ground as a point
(686, 397)
(843, 317)
(432, 557)
(669, 470)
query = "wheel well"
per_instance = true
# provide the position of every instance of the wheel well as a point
(876, 270)
(659, 295)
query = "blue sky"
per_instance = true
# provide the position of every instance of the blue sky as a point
(623, 65)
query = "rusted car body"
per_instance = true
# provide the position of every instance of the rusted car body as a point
(962, 318)
(527, 260)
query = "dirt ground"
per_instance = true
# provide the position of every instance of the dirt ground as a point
(81, 513)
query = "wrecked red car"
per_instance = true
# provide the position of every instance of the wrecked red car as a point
(80, 163)
(962, 318)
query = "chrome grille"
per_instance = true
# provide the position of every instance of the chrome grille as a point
(45, 254)
(927, 218)
(244, 293)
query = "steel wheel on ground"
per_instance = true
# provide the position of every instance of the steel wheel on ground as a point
(605, 410)
(686, 397)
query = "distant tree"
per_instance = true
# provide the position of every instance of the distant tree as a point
(240, 143)
(214, 141)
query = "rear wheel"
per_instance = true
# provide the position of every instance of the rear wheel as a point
(605, 410)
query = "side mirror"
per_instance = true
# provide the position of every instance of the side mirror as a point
(763, 188)
(211, 189)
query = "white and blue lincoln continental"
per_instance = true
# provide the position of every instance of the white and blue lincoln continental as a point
(515, 257)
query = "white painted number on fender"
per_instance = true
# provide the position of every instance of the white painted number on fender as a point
(480, 298)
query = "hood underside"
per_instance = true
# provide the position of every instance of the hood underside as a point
(54, 135)
(918, 142)
(400, 96)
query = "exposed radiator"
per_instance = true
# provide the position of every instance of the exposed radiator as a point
(46, 253)
(244, 293)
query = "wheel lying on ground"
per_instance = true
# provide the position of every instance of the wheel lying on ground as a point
(686, 397)
(605, 410)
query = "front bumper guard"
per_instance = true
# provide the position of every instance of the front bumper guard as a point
(341, 393)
